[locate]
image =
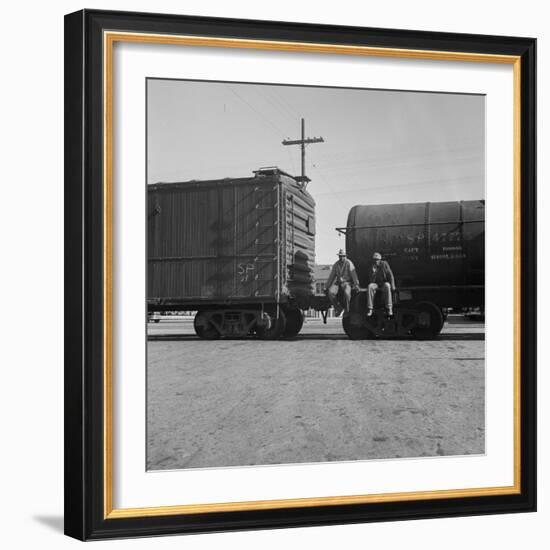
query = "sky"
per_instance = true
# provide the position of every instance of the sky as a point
(380, 147)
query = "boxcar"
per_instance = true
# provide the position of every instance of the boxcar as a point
(238, 251)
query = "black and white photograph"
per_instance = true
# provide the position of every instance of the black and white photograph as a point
(315, 274)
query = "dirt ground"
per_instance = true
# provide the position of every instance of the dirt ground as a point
(318, 397)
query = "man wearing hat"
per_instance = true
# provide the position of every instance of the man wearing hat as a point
(381, 278)
(342, 276)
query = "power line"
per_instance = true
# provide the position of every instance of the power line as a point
(279, 131)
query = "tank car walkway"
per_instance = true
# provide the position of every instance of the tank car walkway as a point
(318, 397)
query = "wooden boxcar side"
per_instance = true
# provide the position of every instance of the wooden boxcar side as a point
(230, 241)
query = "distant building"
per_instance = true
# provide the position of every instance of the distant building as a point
(320, 274)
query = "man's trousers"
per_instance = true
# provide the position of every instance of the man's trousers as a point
(333, 295)
(386, 293)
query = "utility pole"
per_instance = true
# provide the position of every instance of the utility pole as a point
(303, 179)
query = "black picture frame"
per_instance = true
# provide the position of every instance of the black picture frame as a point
(85, 493)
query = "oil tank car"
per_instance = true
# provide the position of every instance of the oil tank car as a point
(437, 254)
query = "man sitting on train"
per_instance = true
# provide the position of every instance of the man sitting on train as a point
(342, 277)
(381, 278)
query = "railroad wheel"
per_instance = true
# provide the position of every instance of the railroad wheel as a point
(274, 326)
(354, 332)
(430, 321)
(294, 322)
(204, 328)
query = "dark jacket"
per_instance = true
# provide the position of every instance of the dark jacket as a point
(387, 274)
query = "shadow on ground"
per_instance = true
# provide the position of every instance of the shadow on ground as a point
(55, 523)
